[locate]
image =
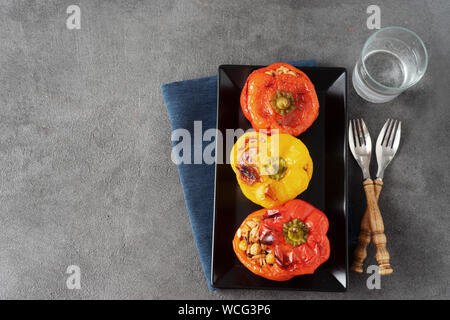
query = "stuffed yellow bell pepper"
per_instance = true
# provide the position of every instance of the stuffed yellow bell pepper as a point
(271, 169)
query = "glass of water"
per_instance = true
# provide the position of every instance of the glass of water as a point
(392, 60)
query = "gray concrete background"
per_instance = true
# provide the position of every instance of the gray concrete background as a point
(85, 170)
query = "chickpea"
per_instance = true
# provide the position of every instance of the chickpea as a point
(255, 249)
(244, 231)
(270, 259)
(243, 245)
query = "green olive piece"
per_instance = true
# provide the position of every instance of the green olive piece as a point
(295, 232)
(276, 168)
(283, 102)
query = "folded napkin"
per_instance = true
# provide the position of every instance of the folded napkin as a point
(186, 102)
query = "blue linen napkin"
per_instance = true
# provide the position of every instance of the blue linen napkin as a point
(186, 102)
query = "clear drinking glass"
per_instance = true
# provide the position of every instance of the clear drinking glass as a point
(392, 60)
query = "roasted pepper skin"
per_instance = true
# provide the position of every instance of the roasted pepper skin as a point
(264, 83)
(306, 258)
(250, 167)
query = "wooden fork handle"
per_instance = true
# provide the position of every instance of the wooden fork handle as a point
(377, 229)
(360, 253)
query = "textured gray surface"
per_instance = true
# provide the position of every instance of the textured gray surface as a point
(85, 170)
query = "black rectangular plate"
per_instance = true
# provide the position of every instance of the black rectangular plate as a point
(326, 140)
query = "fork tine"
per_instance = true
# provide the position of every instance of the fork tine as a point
(363, 131)
(397, 137)
(360, 134)
(392, 135)
(367, 139)
(357, 144)
(351, 138)
(388, 133)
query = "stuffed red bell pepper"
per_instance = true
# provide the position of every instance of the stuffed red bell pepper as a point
(284, 241)
(281, 97)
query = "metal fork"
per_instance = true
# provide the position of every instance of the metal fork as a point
(361, 148)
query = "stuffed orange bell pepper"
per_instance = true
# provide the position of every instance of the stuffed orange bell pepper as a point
(284, 241)
(271, 169)
(280, 96)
